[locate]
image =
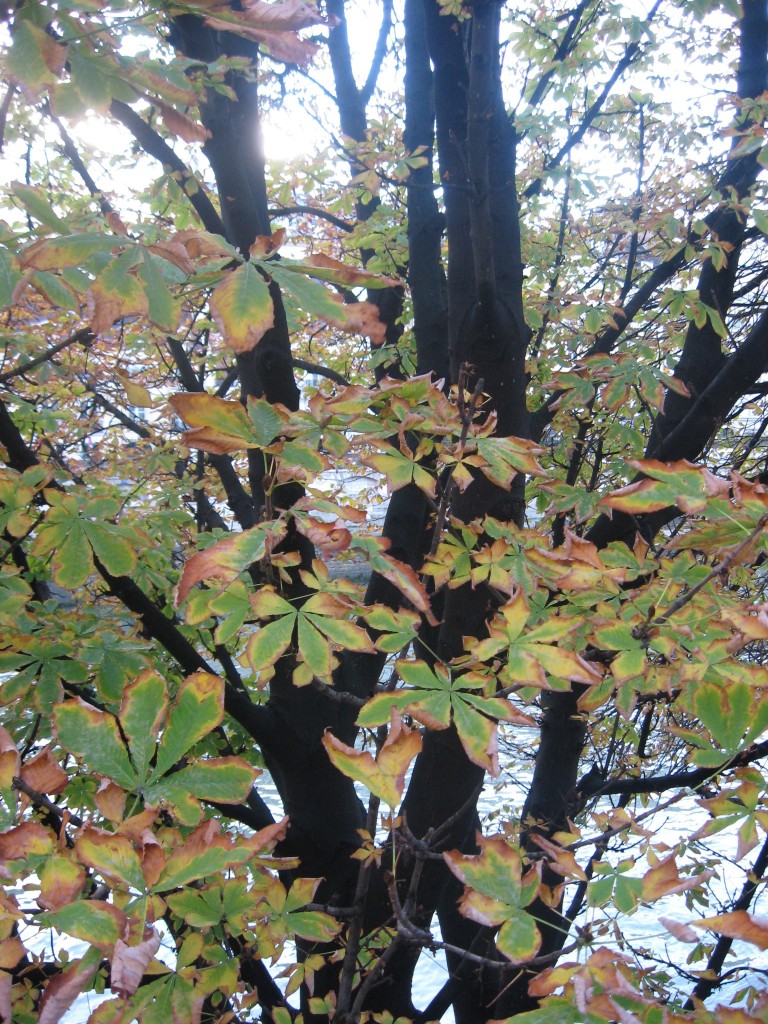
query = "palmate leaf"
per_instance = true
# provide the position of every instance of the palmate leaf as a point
(75, 530)
(497, 888)
(287, 918)
(207, 852)
(94, 738)
(436, 697)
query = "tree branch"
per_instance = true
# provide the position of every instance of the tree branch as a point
(156, 146)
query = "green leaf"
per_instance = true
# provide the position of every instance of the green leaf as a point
(94, 921)
(91, 81)
(268, 423)
(519, 938)
(242, 308)
(112, 547)
(312, 297)
(197, 710)
(726, 711)
(94, 738)
(38, 205)
(142, 713)
(315, 650)
(227, 780)
(270, 642)
(162, 308)
(26, 60)
(67, 251)
(9, 278)
(112, 855)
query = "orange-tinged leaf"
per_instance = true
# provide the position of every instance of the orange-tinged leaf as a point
(227, 558)
(561, 859)
(284, 16)
(11, 951)
(398, 573)
(110, 800)
(29, 839)
(331, 538)
(285, 46)
(174, 252)
(63, 989)
(362, 318)
(739, 924)
(10, 761)
(112, 855)
(202, 245)
(206, 851)
(665, 484)
(242, 308)
(328, 269)
(115, 297)
(61, 882)
(385, 776)
(664, 878)
(267, 245)
(186, 127)
(44, 773)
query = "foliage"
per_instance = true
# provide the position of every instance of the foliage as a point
(521, 287)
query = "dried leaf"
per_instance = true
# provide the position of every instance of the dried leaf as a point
(129, 963)
(186, 127)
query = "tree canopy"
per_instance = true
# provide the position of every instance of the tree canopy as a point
(517, 280)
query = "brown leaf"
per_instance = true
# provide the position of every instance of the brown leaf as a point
(44, 773)
(209, 439)
(283, 16)
(116, 224)
(266, 245)
(130, 962)
(175, 253)
(664, 878)
(329, 537)
(342, 274)
(110, 800)
(361, 318)
(285, 46)
(201, 244)
(682, 932)
(25, 840)
(739, 924)
(186, 127)
(561, 859)
(62, 990)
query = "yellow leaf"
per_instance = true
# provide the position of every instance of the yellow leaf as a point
(136, 394)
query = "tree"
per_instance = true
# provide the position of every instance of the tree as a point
(560, 267)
